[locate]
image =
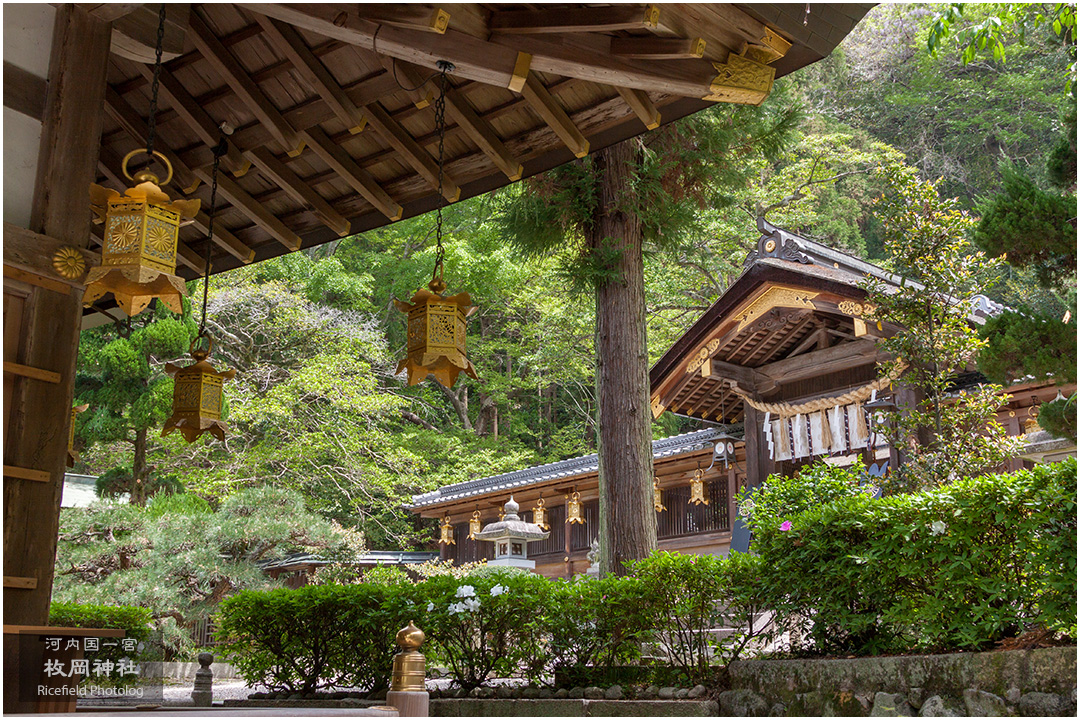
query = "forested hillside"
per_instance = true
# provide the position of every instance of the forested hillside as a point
(314, 336)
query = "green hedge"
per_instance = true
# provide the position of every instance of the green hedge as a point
(958, 567)
(135, 621)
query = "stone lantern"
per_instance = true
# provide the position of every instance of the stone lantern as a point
(511, 536)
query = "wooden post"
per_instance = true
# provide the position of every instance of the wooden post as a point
(36, 434)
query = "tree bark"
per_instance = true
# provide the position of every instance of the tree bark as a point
(138, 470)
(627, 516)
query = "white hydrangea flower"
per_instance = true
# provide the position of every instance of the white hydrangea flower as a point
(497, 590)
(466, 591)
(937, 527)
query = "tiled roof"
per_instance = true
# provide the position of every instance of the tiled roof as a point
(676, 445)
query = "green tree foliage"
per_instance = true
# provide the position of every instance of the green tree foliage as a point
(120, 377)
(180, 564)
(1020, 345)
(944, 435)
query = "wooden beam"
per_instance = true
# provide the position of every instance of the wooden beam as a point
(410, 150)
(287, 180)
(134, 33)
(32, 372)
(502, 60)
(190, 259)
(26, 474)
(108, 12)
(20, 583)
(32, 252)
(23, 91)
(656, 48)
(642, 106)
(237, 78)
(196, 117)
(287, 41)
(416, 16)
(253, 209)
(478, 129)
(224, 239)
(576, 20)
(135, 127)
(55, 631)
(359, 179)
(746, 379)
(822, 362)
(548, 108)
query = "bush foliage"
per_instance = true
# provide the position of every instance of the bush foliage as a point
(957, 567)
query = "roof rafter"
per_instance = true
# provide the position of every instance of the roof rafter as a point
(300, 190)
(548, 108)
(359, 179)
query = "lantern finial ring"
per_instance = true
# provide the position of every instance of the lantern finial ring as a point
(144, 175)
(198, 352)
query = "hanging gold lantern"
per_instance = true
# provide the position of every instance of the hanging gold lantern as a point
(657, 497)
(138, 254)
(446, 532)
(435, 341)
(697, 489)
(72, 456)
(197, 395)
(474, 525)
(573, 510)
(539, 517)
(436, 334)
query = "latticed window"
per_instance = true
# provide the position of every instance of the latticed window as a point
(556, 541)
(682, 518)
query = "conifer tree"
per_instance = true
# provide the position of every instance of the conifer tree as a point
(597, 213)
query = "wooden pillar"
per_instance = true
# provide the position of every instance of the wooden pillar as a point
(759, 463)
(50, 318)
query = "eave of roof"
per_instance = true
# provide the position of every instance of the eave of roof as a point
(564, 469)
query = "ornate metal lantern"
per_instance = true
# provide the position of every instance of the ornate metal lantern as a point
(436, 327)
(540, 515)
(138, 254)
(197, 395)
(72, 456)
(657, 496)
(446, 532)
(474, 525)
(697, 489)
(436, 334)
(573, 509)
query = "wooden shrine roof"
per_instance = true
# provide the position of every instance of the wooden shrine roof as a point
(534, 86)
(792, 316)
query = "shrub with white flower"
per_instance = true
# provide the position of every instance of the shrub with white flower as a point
(465, 591)
(430, 607)
(937, 527)
(497, 590)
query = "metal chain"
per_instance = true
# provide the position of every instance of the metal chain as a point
(151, 123)
(219, 150)
(440, 127)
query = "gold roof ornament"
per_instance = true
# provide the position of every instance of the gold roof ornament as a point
(657, 495)
(446, 532)
(409, 664)
(138, 253)
(697, 489)
(197, 395)
(573, 510)
(540, 515)
(474, 525)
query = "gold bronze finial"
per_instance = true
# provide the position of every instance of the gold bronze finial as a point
(409, 664)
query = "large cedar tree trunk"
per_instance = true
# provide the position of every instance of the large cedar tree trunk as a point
(627, 516)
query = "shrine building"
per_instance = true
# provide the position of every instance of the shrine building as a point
(779, 370)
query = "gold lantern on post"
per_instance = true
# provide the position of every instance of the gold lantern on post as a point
(475, 525)
(72, 456)
(657, 496)
(539, 517)
(197, 395)
(573, 510)
(436, 324)
(697, 489)
(138, 253)
(446, 532)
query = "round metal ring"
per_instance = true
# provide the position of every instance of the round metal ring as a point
(142, 151)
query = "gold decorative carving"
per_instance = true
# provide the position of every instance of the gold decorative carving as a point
(776, 296)
(741, 80)
(855, 309)
(770, 246)
(702, 355)
(657, 407)
(69, 262)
